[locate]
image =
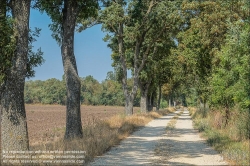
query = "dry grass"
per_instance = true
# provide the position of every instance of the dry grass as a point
(172, 109)
(101, 135)
(231, 140)
(171, 124)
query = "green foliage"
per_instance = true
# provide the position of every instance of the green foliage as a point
(7, 46)
(230, 79)
(53, 91)
(205, 31)
(86, 9)
(112, 93)
(164, 104)
(140, 34)
(7, 49)
(238, 152)
(91, 91)
(34, 58)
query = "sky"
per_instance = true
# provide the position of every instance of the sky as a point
(93, 57)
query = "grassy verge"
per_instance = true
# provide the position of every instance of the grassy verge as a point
(227, 140)
(100, 136)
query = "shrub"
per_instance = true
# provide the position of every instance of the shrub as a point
(164, 104)
(201, 124)
(238, 152)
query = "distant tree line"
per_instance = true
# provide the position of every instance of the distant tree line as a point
(53, 91)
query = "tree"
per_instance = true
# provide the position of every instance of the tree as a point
(91, 91)
(134, 27)
(14, 135)
(66, 14)
(204, 34)
(230, 78)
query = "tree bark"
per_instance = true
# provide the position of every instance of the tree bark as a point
(151, 102)
(159, 98)
(129, 97)
(129, 106)
(73, 84)
(129, 100)
(144, 101)
(144, 88)
(184, 102)
(14, 134)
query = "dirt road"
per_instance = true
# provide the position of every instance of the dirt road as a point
(153, 146)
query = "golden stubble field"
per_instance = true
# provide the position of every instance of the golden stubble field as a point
(46, 123)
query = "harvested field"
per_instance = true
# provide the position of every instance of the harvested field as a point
(47, 122)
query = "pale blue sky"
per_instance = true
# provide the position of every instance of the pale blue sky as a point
(92, 54)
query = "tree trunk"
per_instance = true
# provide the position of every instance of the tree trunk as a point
(128, 100)
(170, 101)
(129, 97)
(73, 84)
(151, 101)
(14, 134)
(184, 102)
(144, 87)
(129, 106)
(144, 101)
(151, 98)
(159, 98)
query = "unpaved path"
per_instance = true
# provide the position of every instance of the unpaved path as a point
(152, 146)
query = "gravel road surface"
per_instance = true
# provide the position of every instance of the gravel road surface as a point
(152, 145)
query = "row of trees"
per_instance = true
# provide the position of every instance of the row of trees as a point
(195, 49)
(214, 54)
(53, 91)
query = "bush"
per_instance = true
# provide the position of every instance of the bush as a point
(239, 126)
(238, 152)
(164, 104)
(231, 140)
(201, 124)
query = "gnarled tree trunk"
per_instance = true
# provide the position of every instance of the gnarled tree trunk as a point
(14, 135)
(73, 84)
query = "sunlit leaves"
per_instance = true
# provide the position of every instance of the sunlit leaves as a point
(231, 77)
